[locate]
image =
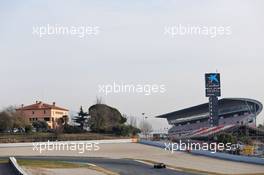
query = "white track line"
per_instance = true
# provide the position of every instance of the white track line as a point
(91, 164)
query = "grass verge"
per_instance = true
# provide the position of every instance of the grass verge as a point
(61, 164)
(49, 164)
(3, 161)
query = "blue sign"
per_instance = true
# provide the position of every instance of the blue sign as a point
(212, 84)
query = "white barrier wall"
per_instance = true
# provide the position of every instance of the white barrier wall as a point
(225, 156)
(10, 145)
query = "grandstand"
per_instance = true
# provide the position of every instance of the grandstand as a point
(194, 121)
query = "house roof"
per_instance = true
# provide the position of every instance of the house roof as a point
(40, 105)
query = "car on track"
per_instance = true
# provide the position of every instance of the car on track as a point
(159, 165)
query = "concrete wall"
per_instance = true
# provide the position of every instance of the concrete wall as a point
(225, 156)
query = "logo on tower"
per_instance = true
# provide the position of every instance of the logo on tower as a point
(212, 80)
(213, 91)
(212, 84)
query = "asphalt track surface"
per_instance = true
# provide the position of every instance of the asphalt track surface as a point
(121, 166)
(6, 169)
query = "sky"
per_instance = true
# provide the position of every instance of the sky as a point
(131, 48)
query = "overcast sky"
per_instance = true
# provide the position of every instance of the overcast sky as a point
(130, 48)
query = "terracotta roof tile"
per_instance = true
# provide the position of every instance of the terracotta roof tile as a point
(41, 105)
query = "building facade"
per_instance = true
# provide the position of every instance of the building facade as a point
(43, 112)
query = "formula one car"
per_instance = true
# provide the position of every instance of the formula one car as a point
(159, 165)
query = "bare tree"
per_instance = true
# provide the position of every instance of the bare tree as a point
(99, 100)
(132, 121)
(146, 128)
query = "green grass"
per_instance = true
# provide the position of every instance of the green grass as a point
(61, 164)
(50, 164)
(3, 161)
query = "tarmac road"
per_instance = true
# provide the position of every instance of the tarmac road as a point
(121, 166)
(137, 151)
(6, 169)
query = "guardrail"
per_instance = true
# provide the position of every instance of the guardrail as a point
(17, 168)
(218, 155)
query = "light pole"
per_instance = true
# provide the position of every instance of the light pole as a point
(144, 124)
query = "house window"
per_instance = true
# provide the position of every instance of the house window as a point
(33, 112)
(47, 119)
(57, 112)
(32, 119)
(44, 111)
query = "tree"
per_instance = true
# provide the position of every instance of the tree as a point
(246, 140)
(28, 128)
(260, 126)
(131, 120)
(6, 122)
(123, 119)
(98, 100)
(125, 130)
(63, 121)
(19, 121)
(10, 119)
(81, 119)
(134, 130)
(40, 125)
(103, 118)
(226, 138)
(145, 128)
(72, 129)
(62, 124)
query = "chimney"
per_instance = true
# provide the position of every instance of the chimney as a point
(54, 103)
(22, 105)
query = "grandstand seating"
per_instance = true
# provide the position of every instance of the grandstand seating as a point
(194, 121)
(202, 129)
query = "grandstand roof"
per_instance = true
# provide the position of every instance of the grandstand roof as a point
(202, 109)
